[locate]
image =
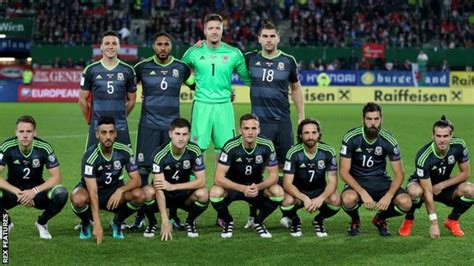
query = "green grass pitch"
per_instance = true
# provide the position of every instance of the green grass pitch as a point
(63, 126)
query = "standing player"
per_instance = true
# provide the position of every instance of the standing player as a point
(432, 180)
(111, 85)
(271, 73)
(25, 155)
(363, 169)
(239, 176)
(102, 185)
(310, 178)
(161, 77)
(213, 64)
(173, 164)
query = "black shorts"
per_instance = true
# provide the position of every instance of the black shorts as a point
(446, 195)
(147, 141)
(9, 200)
(234, 195)
(378, 190)
(313, 194)
(175, 199)
(104, 195)
(281, 134)
(122, 137)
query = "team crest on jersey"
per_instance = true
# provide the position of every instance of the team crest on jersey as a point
(202, 57)
(378, 150)
(225, 58)
(281, 66)
(223, 157)
(175, 73)
(120, 76)
(36, 163)
(321, 164)
(186, 164)
(287, 166)
(141, 157)
(451, 159)
(258, 159)
(117, 165)
(51, 158)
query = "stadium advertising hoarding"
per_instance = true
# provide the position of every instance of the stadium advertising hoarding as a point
(401, 78)
(16, 27)
(11, 71)
(460, 79)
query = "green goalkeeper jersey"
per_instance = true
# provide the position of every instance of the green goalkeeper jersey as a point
(213, 69)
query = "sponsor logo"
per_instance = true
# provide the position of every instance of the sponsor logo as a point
(239, 160)
(258, 63)
(368, 78)
(16, 162)
(167, 167)
(359, 150)
(100, 168)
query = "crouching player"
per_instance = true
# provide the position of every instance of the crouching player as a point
(239, 176)
(432, 180)
(102, 186)
(174, 187)
(310, 179)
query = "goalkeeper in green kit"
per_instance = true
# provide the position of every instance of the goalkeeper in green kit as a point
(213, 64)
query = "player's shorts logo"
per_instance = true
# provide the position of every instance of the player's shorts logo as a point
(36, 163)
(117, 165)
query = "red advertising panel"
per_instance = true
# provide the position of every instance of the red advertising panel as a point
(373, 50)
(57, 76)
(48, 93)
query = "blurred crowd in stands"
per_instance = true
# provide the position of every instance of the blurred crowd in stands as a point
(331, 23)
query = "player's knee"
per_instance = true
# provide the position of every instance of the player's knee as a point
(202, 195)
(216, 192)
(138, 195)
(466, 189)
(403, 201)
(288, 200)
(59, 193)
(334, 199)
(276, 191)
(349, 198)
(149, 192)
(78, 201)
(415, 191)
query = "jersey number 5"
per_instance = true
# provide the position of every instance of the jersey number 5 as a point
(110, 87)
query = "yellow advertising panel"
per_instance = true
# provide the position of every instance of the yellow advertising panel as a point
(460, 79)
(349, 95)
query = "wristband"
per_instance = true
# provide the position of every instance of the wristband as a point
(433, 217)
(35, 189)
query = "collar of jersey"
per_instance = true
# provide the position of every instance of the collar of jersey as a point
(102, 63)
(307, 154)
(158, 63)
(174, 156)
(245, 149)
(433, 147)
(31, 150)
(366, 140)
(103, 155)
(271, 57)
(205, 46)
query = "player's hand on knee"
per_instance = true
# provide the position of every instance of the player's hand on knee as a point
(251, 191)
(369, 203)
(98, 232)
(383, 203)
(437, 188)
(26, 196)
(114, 200)
(434, 230)
(166, 232)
